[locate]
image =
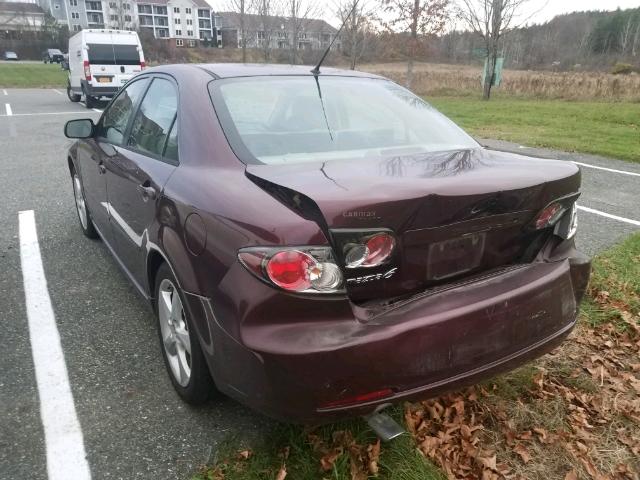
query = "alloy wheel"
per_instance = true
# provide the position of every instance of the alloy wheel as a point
(175, 332)
(80, 203)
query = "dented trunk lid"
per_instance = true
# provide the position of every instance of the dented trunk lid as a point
(454, 214)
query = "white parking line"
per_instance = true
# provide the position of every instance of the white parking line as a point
(66, 457)
(57, 91)
(608, 215)
(4, 90)
(624, 172)
(7, 107)
(40, 113)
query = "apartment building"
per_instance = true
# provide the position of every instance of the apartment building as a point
(276, 31)
(187, 22)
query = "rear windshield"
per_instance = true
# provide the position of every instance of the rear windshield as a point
(294, 119)
(108, 54)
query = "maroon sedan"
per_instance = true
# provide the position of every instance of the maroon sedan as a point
(318, 245)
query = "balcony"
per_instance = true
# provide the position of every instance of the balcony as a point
(93, 6)
(144, 9)
(204, 24)
(95, 19)
(161, 21)
(162, 32)
(204, 13)
(159, 10)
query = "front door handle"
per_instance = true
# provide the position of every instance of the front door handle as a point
(148, 192)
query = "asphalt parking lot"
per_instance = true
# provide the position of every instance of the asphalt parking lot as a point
(132, 423)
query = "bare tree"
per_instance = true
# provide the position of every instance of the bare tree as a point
(300, 12)
(120, 15)
(242, 8)
(636, 39)
(357, 17)
(268, 11)
(626, 35)
(419, 18)
(491, 19)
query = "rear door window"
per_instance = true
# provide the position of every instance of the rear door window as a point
(154, 118)
(108, 54)
(116, 117)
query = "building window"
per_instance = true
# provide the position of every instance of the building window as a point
(192, 43)
(179, 42)
(178, 32)
(113, 18)
(204, 13)
(176, 21)
(144, 8)
(176, 9)
(189, 21)
(159, 10)
(76, 28)
(75, 15)
(187, 11)
(190, 33)
(113, 5)
(73, 3)
(126, 6)
(127, 18)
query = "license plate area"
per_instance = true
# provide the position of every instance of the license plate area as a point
(455, 256)
(102, 79)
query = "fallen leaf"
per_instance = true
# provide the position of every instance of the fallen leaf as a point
(282, 473)
(521, 450)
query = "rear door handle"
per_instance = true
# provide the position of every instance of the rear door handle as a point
(148, 192)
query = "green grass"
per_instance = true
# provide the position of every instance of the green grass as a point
(399, 459)
(32, 75)
(616, 272)
(607, 129)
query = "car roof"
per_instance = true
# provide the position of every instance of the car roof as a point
(230, 70)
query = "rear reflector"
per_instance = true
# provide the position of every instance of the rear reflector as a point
(363, 398)
(87, 70)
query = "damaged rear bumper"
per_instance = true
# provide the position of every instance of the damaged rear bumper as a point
(295, 368)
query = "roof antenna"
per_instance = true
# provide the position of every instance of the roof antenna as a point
(316, 69)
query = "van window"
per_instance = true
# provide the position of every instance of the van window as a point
(154, 118)
(108, 54)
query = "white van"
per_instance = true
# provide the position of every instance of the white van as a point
(100, 62)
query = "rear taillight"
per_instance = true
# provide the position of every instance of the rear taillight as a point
(370, 251)
(549, 216)
(568, 226)
(299, 269)
(143, 65)
(87, 70)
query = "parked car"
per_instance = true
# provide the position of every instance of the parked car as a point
(100, 62)
(52, 55)
(316, 246)
(10, 56)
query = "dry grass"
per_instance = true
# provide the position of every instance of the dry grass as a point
(437, 79)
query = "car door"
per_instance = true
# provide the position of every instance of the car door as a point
(93, 153)
(136, 175)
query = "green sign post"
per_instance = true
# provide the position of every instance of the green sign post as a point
(497, 73)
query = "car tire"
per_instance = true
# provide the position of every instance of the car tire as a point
(89, 101)
(73, 96)
(188, 372)
(84, 217)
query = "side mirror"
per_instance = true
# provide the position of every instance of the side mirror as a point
(82, 128)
